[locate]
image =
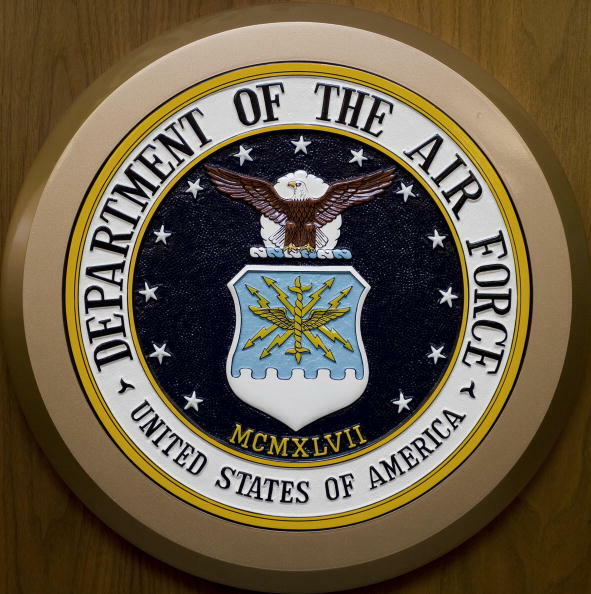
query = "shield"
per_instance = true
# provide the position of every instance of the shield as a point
(297, 353)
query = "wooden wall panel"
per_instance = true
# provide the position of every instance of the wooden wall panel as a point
(50, 51)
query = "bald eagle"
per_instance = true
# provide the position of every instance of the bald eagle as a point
(301, 216)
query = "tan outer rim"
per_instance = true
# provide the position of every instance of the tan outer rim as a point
(171, 530)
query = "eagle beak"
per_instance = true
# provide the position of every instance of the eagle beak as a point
(291, 184)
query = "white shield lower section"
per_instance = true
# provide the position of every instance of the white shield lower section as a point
(299, 400)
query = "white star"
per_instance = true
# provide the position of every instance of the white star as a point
(402, 402)
(194, 187)
(358, 157)
(447, 296)
(406, 191)
(160, 352)
(436, 354)
(301, 145)
(149, 292)
(436, 238)
(192, 401)
(162, 235)
(243, 154)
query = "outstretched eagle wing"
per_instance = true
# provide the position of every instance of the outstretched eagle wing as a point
(275, 315)
(344, 194)
(319, 317)
(254, 191)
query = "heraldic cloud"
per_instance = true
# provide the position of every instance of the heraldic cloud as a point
(297, 352)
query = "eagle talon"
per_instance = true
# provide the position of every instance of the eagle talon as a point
(307, 248)
(291, 248)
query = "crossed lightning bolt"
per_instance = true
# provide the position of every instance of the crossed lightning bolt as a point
(264, 332)
(315, 340)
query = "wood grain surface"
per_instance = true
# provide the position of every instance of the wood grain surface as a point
(52, 50)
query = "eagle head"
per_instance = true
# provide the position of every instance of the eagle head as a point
(300, 191)
(299, 186)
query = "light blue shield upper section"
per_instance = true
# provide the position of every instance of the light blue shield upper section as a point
(311, 362)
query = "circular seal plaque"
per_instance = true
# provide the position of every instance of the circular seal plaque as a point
(292, 296)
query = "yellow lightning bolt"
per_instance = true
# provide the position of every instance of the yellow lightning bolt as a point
(316, 341)
(315, 297)
(277, 341)
(335, 302)
(262, 333)
(333, 335)
(330, 333)
(262, 301)
(281, 295)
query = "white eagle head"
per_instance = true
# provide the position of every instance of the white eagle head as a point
(300, 191)
(300, 185)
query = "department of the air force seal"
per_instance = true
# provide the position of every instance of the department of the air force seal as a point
(296, 307)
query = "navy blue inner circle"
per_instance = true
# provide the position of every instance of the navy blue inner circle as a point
(210, 241)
